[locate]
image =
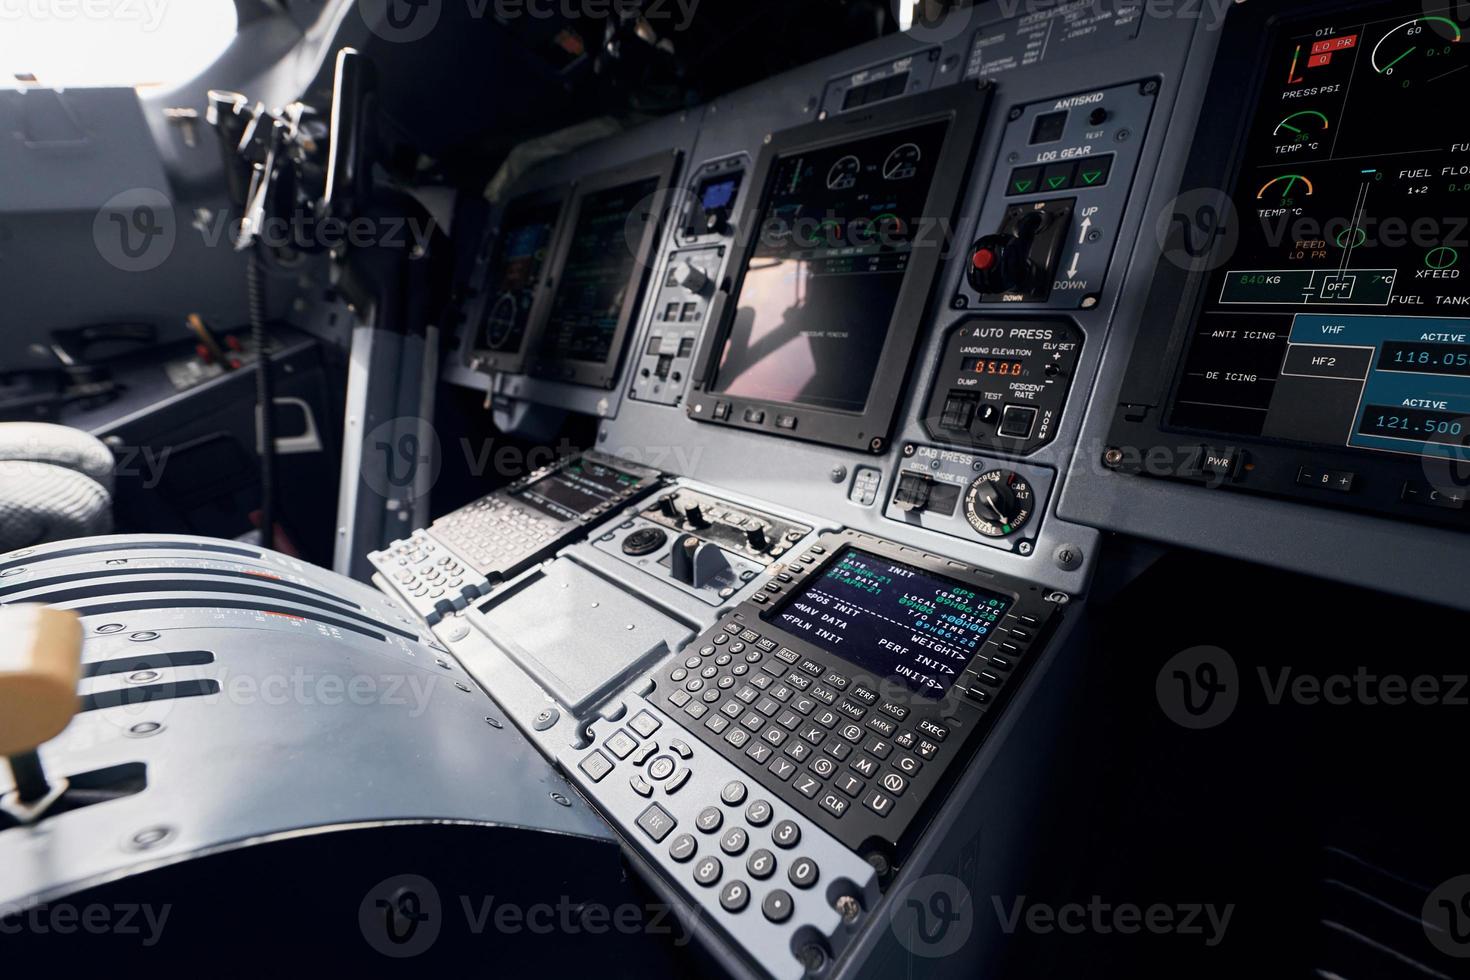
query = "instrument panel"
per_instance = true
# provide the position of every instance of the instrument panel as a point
(872, 329)
(839, 258)
(1327, 355)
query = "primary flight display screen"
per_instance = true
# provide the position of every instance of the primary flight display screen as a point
(597, 275)
(837, 228)
(1339, 316)
(525, 237)
(895, 620)
(575, 490)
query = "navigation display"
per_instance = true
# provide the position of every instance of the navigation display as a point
(598, 274)
(575, 490)
(837, 229)
(525, 236)
(1339, 318)
(892, 619)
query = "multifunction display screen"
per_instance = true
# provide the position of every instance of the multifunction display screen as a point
(836, 231)
(1339, 316)
(575, 490)
(598, 274)
(894, 620)
(525, 236)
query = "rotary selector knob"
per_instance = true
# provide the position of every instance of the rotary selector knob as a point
(999, 503)
(691, 277)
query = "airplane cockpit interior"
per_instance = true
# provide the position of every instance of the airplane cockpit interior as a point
(772, 490)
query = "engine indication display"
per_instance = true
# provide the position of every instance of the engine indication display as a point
(818, 293)
(1337, 318)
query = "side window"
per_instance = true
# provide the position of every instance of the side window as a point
(88, 43)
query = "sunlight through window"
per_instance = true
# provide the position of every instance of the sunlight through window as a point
(79, 43)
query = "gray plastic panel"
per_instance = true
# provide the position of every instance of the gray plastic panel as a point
(307, 713)
(76, 150)
(554, 649)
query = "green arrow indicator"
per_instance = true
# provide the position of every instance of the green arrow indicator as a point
(1055, 182)
(1091, 176)
(1022, 186)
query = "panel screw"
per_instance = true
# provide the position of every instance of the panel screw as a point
(1150, 87)
(493, 722)
(1068, 557)
(462, 686)
(111, 628)
(848, 908)
(145, 728)
(559, 798)
(1113, 457)
(1016, 113)
(1024, 548)
(143, 676)
(150, 837)
(838, 474)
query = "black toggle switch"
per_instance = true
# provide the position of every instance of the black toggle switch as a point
(681, 559)
(695, 516)
(756, 538)
(913, 492)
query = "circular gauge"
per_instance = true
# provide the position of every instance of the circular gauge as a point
(500, 321)
(1286, 186)
(998, 503)
(1421, 50)
(1306, 129)
(889, 226)
(902, 163)
(844, 173)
